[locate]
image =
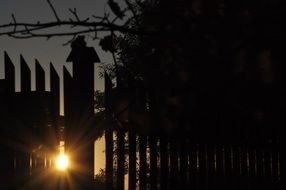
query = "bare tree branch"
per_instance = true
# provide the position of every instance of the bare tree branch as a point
(97, 26)
(130, 7)
(45, 35)
(25, 30)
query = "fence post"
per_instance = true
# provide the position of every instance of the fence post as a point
(153, 162)
(164, 170)
(132, 159)
(142, 165)
(25, 75)
(183, 162)
(173, 164)
(120, 159)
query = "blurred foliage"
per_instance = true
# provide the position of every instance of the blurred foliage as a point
(198, 66)
(99, 100)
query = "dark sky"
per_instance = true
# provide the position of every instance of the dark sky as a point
(51, 50)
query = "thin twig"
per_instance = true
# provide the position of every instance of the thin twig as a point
(27, 30)
(116, 18)
(74, 12)
(95, 35)
(14, 20)
(54, 10)
(70, 41)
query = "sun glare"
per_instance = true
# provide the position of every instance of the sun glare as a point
(62, 162)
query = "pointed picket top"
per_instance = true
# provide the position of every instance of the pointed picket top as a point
(9, 73)
(54, 78)
(25, 75)
(66, 73)
(68, 79)
(68, 91)
(55, 89)
(40, 77)
(53, 70)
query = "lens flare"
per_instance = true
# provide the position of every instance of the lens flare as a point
(62, 162)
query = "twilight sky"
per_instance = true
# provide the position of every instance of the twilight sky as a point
(39, 48)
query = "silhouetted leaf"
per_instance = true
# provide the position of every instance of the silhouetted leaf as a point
(116, 9)
(107, 43)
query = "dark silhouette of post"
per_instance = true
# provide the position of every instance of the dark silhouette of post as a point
(120, 159)
(9, 74)
(132, 159)
(164, 169)
(142, 162)
(173, 165)
(40, 77)
(153, 162)
(108, 133)
(7, 89)
(79, 106)
(55, 99)
(25, 75)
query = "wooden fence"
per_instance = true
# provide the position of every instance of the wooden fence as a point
(167, 163)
